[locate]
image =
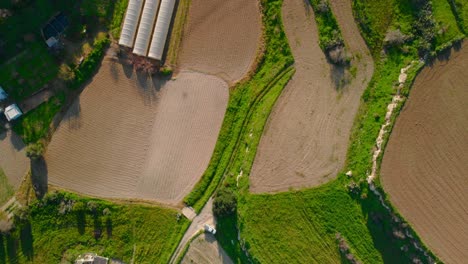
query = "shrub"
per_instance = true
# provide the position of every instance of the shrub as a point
(166, 70)
(6, 226)
(224, 203)
(395, 38)
(90, 64)
(338, 55)
(35, 150)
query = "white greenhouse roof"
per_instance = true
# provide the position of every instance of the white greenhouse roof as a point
(3, 94)
(161, 29)
(130, 25)
(12, 112)
(146, 27)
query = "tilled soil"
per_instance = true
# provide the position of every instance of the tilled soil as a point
(128, 136)
(206, 250)
(13, 158)
(424, 169)
(305, 140)
(221, 37)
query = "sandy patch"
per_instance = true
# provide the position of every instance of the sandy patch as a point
(13, 158)
(131, 137)
(424, 169)
(221, 37)
(306, 137)
(206, 250)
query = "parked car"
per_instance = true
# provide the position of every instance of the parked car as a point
(210, 229)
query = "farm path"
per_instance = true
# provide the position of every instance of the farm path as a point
(206, 250)
(204, 217)
(306, 137)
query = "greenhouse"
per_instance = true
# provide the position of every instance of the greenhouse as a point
(129, 28)
(161, 29)
(146, 27)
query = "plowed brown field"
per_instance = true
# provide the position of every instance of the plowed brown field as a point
(425, 166)
(306, 137)
(206, 250)
(221, 37)
(131, 137)
(13, 158)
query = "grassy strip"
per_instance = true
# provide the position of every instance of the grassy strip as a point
(242, 97)
(6, 190)
(177, 31)
(329, 31)
(64, 225)
(460, 10)
(35, 124)
(187, 247)
(115, 25)
(446, 28)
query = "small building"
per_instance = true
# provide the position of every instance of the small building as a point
(3, 94)
(12, 112)
(52, 31)
(91, 258)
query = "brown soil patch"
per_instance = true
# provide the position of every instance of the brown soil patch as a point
(424, 169)
(306, 137)
(206, 250)
(13, 158)
(131, 137)
(221, 37)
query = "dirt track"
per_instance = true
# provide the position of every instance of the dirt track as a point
(221, 37)
(130, 137)
(13, 158)
(206, 250)
(306, 137)
(424, 169)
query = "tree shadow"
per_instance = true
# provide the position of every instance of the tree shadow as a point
(2, 249)
(81, 221)
(27, 240)
(16, 141)
(39, 176)
(12, 248)
(109, 227)
(97, 226)
(340, 76)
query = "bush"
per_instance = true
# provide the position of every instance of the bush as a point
(338, 55)
(6, 226)
(166, 70)
(224, 203)
(395, 38)
(35, 150)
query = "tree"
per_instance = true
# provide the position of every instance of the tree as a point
(35, 150)
(224, 203)
(6, 226)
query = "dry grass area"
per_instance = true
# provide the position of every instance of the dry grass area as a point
(206, 250)
(305, 140)
(221, 37)
(128, 136)
(424, 169)
(13, 158)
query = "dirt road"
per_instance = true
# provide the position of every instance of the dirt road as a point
(13, 158)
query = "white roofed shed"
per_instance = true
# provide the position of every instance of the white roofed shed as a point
(143, 38)
(161, 29)
(129, 28)
(12, 112)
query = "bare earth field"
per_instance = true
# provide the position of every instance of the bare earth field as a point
(132, 137)
(424, 169)
(306, 137)
(13, 158)
(206, 250)
(221, 37)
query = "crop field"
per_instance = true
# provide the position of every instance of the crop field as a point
(221, 38)
(139, 141)
(305, 140)
(424, 166)
(13, 159)
(206, 250)
(62, 225)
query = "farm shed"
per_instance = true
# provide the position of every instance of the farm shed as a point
(3, 94)
(12, 112)
(146, 27)
(54, 28)
(161, 29)
(130, 25)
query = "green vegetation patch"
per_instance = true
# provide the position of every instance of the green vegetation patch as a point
(446, 28)
(329, 31)
(35, 124)
(64, 225)
(28, 72)
(6, 190)
(460, 9)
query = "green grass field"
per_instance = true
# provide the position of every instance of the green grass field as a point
(6, 190)
(460, 8)
(35, 124)
(28, 72)
(447, 28)
(64, 225)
